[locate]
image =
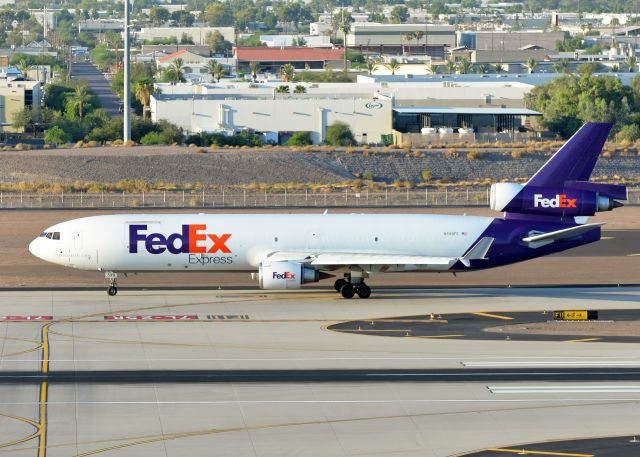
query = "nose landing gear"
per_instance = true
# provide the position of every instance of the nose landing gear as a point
(112, 279)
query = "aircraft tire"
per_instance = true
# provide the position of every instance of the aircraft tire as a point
(112, 291)
(348, 290)
(339, 283)
(364, 291)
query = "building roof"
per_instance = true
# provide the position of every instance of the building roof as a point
(287, 54)
(466, 110)
(186, 55)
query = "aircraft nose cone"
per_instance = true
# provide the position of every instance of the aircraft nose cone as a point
(33, 248)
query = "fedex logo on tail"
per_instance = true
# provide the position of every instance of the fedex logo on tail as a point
(192, 239)
(560, 201)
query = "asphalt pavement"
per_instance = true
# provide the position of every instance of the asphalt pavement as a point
(99, 84)
(619, 446)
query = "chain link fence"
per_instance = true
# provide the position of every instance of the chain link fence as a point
(257, 199)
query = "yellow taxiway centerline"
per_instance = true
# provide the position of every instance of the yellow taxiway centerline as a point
(528, 452)
(495, 316)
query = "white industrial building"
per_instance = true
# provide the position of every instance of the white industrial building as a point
(374, 108)
(276, 116)
(197, 34)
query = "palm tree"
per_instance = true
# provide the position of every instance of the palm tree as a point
(177, 74)
(418, 36)
(615, 68)
(482, 69)
(561, 66)
(282, 89)
(371, 66)
(393, 66)
(345, 26)
(531, 64)
(24, 68)
(299, 89)
(288, 72)
(144, 89)
(451, 67)
(498, 68)
(631, 63)
(80, 99)
(432, 69)
(254, 68)
(409, 37)
(216, 70)
(464, 66)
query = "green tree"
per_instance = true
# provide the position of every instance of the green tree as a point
(561, 66)
(399, 14)
(282, 89)
(464, 66)
(482, 69)
(25, 119)
(299, 89)
(450, 67)
(55, 135)
(219, 14)
(144, 88)
(631, 63)
(158, 15)
(102, 56)
(629, 132)
(339, 134)
(254, 68)
(531, 65)
(432, 69)
(175, 71)
(216, 70)
(80, 100)
(498, 68)
(300, 139)
(371, 66)
(217, 43)
(393, 65)
(288, 72)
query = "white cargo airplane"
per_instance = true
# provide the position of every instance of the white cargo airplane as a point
(543, 216)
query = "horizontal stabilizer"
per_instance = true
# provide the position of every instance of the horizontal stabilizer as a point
(477, 252)
(549, 237)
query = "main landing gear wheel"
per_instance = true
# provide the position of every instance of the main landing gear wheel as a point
(339, 283)
(363, 291)
(112, 279)
(347, 290)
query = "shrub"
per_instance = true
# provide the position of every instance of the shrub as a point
(151, 138)
(426, 175)
(629, 133)
(474, 154)
(367, 175)
(339, 134)
(56, 135)
(300, 139)
(516, 154)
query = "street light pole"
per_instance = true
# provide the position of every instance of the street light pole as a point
(127, 75)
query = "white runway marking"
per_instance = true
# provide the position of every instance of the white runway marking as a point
(555, 363)
(564, 389)
(258, 402)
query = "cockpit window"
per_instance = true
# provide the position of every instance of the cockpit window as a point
(50, 235)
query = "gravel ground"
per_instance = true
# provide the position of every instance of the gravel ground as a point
(228, 167)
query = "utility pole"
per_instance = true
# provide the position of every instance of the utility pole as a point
(126, 136)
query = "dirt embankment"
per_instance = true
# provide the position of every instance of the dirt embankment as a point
(179, 165)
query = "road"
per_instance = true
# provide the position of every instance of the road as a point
(99, 84)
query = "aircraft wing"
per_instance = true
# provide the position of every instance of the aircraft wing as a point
(379, 261)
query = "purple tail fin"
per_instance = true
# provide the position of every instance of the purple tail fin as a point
(560, 190)
(576, 159)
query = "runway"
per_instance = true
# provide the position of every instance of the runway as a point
(182, 373)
